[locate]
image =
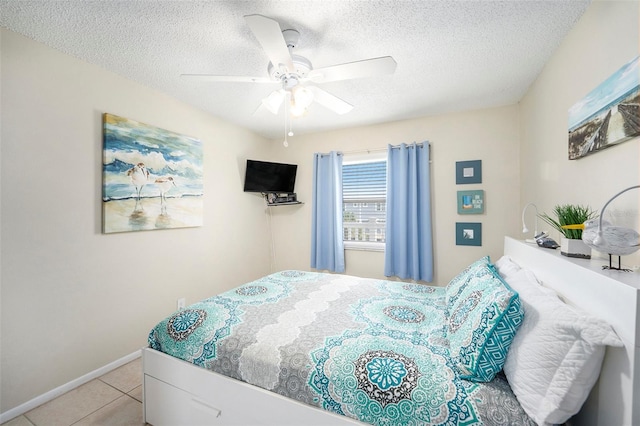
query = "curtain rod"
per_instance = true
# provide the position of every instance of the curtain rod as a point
(368, 151)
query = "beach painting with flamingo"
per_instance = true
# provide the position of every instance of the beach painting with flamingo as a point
(152, 178)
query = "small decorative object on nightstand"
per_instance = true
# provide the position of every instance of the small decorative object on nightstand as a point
(606, 238)
(571, 244)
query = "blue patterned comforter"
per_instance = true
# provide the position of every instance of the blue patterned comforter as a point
(369, 349)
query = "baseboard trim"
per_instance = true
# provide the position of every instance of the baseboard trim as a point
(54, 393)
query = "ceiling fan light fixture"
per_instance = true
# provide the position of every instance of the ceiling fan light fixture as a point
(297, 110)
(273, 101)
(302, 96)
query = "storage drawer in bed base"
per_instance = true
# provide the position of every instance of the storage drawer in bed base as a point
(180, 393)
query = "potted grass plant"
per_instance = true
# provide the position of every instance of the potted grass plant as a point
(571, 244)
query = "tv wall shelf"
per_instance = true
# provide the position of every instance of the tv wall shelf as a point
(280, 198)
(290, 203)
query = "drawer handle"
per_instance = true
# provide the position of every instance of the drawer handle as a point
(201, 402)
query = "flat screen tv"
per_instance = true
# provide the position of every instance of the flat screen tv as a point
(263, 176)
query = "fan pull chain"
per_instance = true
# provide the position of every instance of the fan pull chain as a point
(285, 143)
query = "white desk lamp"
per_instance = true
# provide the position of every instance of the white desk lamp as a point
(524, 226)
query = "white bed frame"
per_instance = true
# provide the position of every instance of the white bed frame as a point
(179, 393)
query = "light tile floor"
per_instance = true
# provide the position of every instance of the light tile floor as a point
(111, 400)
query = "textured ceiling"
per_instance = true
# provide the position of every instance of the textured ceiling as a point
(451, 55)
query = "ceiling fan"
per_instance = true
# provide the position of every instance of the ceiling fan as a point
(294, 72)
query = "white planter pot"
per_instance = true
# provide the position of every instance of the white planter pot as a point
(574, 248)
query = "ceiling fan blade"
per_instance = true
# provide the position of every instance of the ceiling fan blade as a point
(330, 101)
(358, 69)
(269, 35)
(227, 78)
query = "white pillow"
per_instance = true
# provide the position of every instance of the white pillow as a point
(556, 355)
(506, 266)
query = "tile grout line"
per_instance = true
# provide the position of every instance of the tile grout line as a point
(25, 416)
(92, 413)
(100, 408)
(111, 386)
(128, 393)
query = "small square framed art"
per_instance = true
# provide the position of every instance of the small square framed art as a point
(468, 234)
(468, 172)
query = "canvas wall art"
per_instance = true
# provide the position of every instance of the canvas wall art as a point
(152, 178)
(608, 115)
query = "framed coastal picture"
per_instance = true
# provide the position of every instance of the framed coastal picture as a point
(471, 202)
(608, 115)
(468, 234)
(151, 178)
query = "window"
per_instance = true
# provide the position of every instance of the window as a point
(364, 193)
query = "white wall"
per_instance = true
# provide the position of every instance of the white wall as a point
(73, 299)
(489, 135)
(607, 37)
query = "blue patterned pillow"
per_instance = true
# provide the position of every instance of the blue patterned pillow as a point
(483, 316)
(465, 275)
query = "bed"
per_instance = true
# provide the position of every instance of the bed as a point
(272, 352)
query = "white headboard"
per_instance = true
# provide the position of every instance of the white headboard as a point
(614, 296)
